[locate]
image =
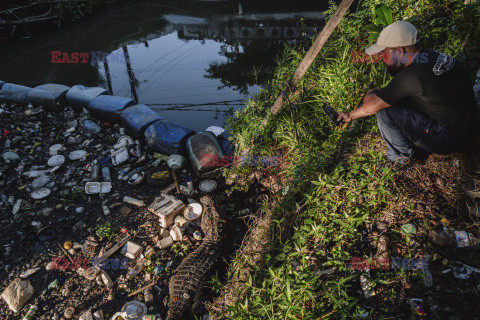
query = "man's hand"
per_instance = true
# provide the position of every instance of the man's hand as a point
(344, 117)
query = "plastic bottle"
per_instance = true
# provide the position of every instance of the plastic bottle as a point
(137, 269)
(95, 170)
(30, 313)
(106, 174)
(135, 202)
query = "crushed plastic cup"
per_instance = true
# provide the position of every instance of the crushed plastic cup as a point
(57, 160)
(77, 155)
(41, 193)
(55, 149)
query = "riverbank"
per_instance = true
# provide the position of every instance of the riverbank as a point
(310, 253)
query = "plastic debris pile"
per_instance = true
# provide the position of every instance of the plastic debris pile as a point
(89, 215)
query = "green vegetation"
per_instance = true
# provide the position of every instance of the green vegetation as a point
(328, 193)
(106, 231)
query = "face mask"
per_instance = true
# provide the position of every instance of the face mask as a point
(393, 70)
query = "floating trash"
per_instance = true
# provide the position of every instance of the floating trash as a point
(215, 130)
(55, 149)
(40, 193)
(57, 160)
(10, 156)
(41, 181)
(77, 155)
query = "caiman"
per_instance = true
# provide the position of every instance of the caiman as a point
(187, 286)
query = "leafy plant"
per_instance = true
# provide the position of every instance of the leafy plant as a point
(106, 231)
(383, 18)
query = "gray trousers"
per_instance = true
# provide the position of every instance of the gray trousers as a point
(405, 129)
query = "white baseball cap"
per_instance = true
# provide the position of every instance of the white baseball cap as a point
(397, 34)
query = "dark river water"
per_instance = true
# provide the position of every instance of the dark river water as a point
(195, 62)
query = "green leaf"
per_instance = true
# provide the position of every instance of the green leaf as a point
(373, 37)
(289, 292)
(281, 257)
(385, 15)
(371, 27)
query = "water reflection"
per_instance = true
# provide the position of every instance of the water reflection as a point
(178, 56)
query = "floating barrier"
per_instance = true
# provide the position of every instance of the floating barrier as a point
(79, 97)
(204, 152)
(14, 93)
(162, 136)
(136, 118)
(109, 108)
(51, 96)
(167, 137)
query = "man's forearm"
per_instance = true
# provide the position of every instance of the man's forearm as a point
(366, 109)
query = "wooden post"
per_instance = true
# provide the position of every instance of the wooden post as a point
(310, 56)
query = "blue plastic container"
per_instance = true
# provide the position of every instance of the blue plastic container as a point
(136, 118)
(51, 96)
(1, 83)
(205, 153)
(109, 108)
(167, 137)
(14, 93)
(79, 97)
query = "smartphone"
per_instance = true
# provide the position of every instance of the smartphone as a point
(332, 114)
